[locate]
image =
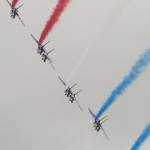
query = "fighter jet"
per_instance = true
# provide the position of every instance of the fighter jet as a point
(98, 123)
(70, 94)
(41, 50)
(14, 12)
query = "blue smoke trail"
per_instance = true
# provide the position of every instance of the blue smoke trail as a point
(145, 134)
(135, 72)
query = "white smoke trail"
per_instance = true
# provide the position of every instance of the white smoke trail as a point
(111, 19)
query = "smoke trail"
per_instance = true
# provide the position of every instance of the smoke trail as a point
(109, 23)
(141, 139)
(14, 3)
(53, 19)
(135, 72)
(77, 66)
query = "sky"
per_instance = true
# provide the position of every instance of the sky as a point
(96, 43)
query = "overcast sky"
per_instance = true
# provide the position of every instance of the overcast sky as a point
(96, 44)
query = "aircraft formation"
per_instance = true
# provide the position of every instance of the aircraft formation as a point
(44, 54)
(69, 91)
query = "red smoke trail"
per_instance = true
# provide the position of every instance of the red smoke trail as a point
(53, 19)
(14, 3)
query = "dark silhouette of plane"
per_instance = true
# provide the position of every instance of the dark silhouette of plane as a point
(70, 94)
(14, 12)
(98, 123)
(41, 50)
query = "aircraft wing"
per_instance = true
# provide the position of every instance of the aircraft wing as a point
(9, 3)
(104, 133)
(79, 105)
(34, 39)
(20, 19)
(92, 114)
(61, 80)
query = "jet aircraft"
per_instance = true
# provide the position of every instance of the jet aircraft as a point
(70, 94)
(14, 12)
(41, 50)
(98, 123)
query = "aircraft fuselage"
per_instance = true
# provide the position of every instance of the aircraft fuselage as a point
(97, 125)
(68, 92)
(13, 13)
(44, 56)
